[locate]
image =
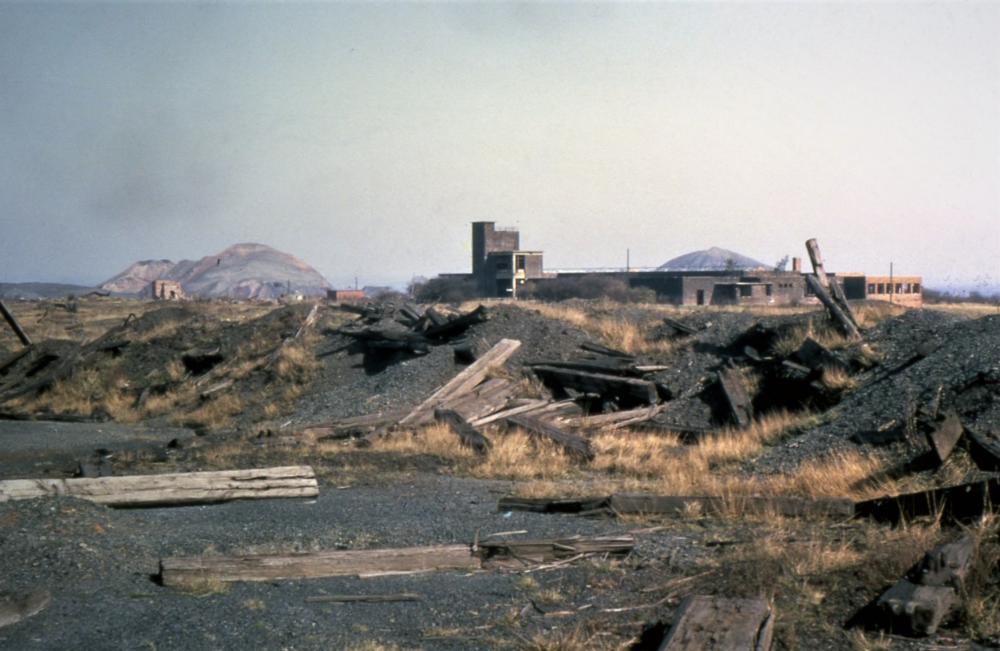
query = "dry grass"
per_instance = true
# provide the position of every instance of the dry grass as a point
(838, 380)
(612, 331)
(823, 333)
(971, 310)
(296, 363)
(214, 414)
(874, 312)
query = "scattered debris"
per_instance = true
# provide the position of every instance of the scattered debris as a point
(961, 503)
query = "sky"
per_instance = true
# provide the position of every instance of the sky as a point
(364, 138)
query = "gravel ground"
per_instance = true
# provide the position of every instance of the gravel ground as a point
(97, 562)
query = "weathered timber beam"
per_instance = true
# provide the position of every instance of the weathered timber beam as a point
(518, 553)
(626, 389)
(192, 570)
(458, 324)
(740, 406)
(462, 383)
(961, 503)
(721, 624)
(529, 407)
(175, 488)
(14, 325)
(465, 432)
(834, 288)
(681, 328)
(489, 397)
(604, 350)
(574, 445)
(617, 418)
(846, 324)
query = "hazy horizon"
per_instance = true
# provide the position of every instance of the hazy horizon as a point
(364, 138)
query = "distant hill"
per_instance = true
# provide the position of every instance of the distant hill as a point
(713, 259)
(241, 271)
(32, 291)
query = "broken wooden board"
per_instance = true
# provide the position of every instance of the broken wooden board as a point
(469, 437)
(462, 383)
(617, 419)
(644, 504)
(706, 623)
(574, 445)
(682, 329)
(456, 325)
(195, 570)
(627, 391)
(592, 347)
(739, 403)
(521, 553)
(176, 488)
(944, 434)
(487, 398)
(818, 357)
(526, 408)
(641, 504)
(350, 427)
(961, 503)
(607, 365)
(835, 289)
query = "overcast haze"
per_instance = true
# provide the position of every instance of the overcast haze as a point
(365, 138)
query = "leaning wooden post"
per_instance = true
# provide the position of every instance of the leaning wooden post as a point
(14, 325)
(834, 288)
(846, 324)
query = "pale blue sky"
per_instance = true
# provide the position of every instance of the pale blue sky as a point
(365, 137)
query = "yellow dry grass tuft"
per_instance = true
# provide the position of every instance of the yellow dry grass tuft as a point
(214, 414)
(517, 455)
(615, 332)
(824, 334)
(437, 440)
(874, 312)
(295, 363)
(838, 380)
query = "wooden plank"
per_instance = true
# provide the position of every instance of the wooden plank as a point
(573, 445)
(607, 365)
(458, 324)
(625, 390)
(350, 427)
(604, 350)
(519, 553)
(463, 382)
(944, 434)
(528, 407)
(19, 332)
(489, 397)
(740, 406)
(812, 247)
(680, 328)
(961, 503)
(466, 433)
(708, 623)
(617, 419)
(175, 488)
(193, 570)
(845, 323)
(639, 504)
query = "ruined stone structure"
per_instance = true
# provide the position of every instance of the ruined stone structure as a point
(166, 290)
(499, 266)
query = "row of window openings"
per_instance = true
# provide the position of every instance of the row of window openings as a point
(521, 261)
(887, 288)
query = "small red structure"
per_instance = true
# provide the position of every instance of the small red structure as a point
(345, 295)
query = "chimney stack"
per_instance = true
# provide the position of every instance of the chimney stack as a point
(797, 265)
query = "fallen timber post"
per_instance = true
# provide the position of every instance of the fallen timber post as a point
(628, 389)
(834, 288)
(175, 488)
(920, 601)
(573, 445)
(22, 336)
(528, 407)
(961, 503)
(641, 504)
(846, 325)
(512, 554)
(467, 434)
(487, 398)
(943, 435)
(463, 382)
(616, 419)
(720, 624)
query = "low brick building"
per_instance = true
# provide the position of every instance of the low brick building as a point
(166, 290)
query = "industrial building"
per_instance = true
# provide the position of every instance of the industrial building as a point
(502, 269)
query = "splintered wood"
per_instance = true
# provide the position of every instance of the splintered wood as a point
(462, 383)
(194, 570)
(178, 488)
